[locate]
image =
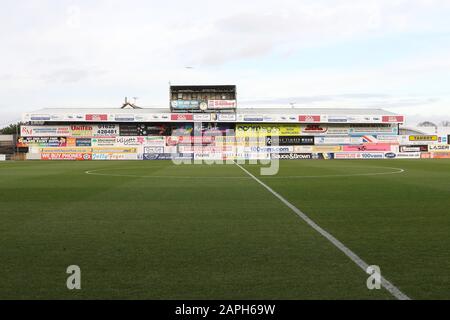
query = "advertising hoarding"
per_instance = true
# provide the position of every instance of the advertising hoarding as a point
(263, 130)
(414, 148)
(66, 156)
(116, 156)
(221, 104)
(45, 131)
(291, 156)
(367, 147)
(338, 140)
(23, 142)
(439, 148)
(423, 138)
(290, 140)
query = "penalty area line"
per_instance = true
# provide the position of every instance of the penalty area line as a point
(349, 253)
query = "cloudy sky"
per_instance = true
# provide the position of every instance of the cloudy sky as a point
(393, 54)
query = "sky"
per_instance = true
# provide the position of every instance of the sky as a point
(390, 54)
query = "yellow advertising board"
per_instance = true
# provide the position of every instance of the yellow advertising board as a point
(264, 130)
(423, 138)
(327, 148)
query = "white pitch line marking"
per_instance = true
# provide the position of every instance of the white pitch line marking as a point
(349, 253)
(95, 172)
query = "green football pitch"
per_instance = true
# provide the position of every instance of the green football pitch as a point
(155, 230)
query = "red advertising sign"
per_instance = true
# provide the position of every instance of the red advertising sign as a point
(222, 104)
(66, 156)
(314, 128)
(393, 119)
(181, 117)
(309, 118)
(96, 117)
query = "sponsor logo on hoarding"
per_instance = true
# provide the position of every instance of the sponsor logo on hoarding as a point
(153, 149)
(390, 155)
(156, 156)
(185, 104)
(440, 155)
(83, 142)
(114, 150)
(181, 117)
(309, 118)
(356, 130)
(40, 117)
(211, 149)
(314, 129)
(23, 142)
(96, 117)
(409, 155)
(423, 138)
(116, 156)
(439, 147)
(66, 156)
(252, 156)
(290, 141)
(65, 150)
(372, 155)
(359, 155)
(423, 148)
(221, 104)
(202, 117)
(263, 130)
(254, 118)
(188, 140)
(347, 156)
(337, 119)
(388, 139)
(368, 147)
(81, 130)
(323, 155)
(338, 140)
(105, 130)
(291, 156)
(391, 119)
(303, 149)
(130, 141)
(268, 119)
(326, 149)
(273, 149)
(227, 117)
(104, 142)
(45, 131)
(124, 117)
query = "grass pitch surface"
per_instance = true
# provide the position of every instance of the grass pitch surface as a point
(154, 230)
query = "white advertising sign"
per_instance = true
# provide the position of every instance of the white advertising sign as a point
(439, 147)
(264, 149)
(105, 130)
(338, 140)
(359, 155)
(202, 117)
(45, 131)
(116, 156)
(226, 117)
